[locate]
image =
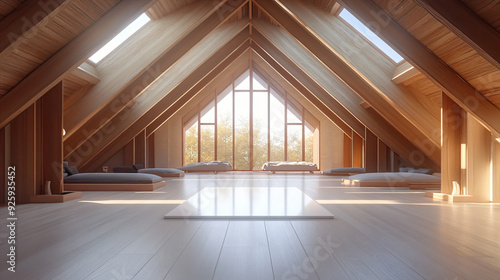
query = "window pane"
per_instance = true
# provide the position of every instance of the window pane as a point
(225, 126)
(309, 142)
(208, 113)
(277, 127)
(207, 143)
(294, 137)
(242, 131)
(260, 129)
(258, 83)
(120, 38)
(369, 35)
(243, 82)
(294, 111)
(191, 144)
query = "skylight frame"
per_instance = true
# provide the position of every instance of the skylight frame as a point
(120, 38)
(381, 46)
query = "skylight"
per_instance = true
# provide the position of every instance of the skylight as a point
(120, 38)
(369, 35)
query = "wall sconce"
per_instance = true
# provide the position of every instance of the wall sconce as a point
(498, 139)
(64, 132)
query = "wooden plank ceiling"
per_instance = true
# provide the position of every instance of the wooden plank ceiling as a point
(410, 108)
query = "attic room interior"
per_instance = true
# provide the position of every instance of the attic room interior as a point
(250, 139)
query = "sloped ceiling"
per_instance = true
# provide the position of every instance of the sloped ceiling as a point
(191, 45)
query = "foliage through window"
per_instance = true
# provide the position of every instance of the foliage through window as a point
(248, 124)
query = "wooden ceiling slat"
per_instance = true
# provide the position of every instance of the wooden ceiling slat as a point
(471, 28)
(427, 62)
(129, 123)
(36, 83)
(98, 118)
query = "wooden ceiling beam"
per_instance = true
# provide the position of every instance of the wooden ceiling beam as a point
(427, 62)
(467, 25)
(77, 135)
(368, 117)
(175, 99)
(339, 66)
(323, 100)
(26, 18)
(69, 57)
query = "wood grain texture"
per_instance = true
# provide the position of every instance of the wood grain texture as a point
(358, 145)
(292, 51)
(3, 167)
(51, 139)
(496, 169)
(221, 53)
(114, 187)
(378, 233)
(415, 51)
(478, 161)
(140, 148)
(86, 118)
(371, 152)
(453, 125)
(73, 54)
(22, 154)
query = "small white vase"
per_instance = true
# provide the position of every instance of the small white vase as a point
(48, 191)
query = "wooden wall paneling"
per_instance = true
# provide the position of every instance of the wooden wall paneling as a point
(371, 65)
(140, 148)
(338, 66)
(467, 25)
(151, 151)
(3, 168)
(347, 150)
(357, 151)
(22, 157)
(453, 125)
(73, 54)
(87, 118)
(51, 138)
(282, 48)
(371, 152)
(478, 160)
(323, 100)
(129, 150)
(394, 162)
(15, 24)
(192, 83)
(428, 63)
(496, 169)
(383, 158)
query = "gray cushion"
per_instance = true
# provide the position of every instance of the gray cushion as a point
(160, 170)
(207, 166)
(112, 178)
(345, 170)
(71, 170)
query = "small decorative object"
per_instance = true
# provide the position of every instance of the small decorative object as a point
(105, 169)
(47, 188)
(456, 188)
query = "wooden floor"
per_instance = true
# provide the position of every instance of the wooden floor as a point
(377, 233)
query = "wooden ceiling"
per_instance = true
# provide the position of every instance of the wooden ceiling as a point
(341, 70)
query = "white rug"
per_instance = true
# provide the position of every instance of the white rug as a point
(249, 203)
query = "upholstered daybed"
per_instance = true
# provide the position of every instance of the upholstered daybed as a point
(138, 168)
(75, 181)
(274, 166)
(395, 179)
(113, 182)
(209, 166)
(163, 172)
(346, 171)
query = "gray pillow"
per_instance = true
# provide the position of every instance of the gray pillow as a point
(71, 170)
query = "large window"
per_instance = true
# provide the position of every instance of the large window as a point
(248, 124)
